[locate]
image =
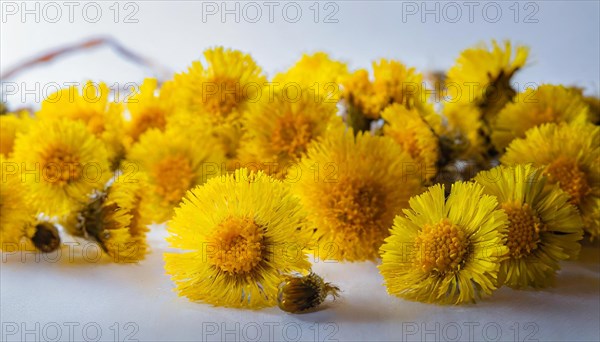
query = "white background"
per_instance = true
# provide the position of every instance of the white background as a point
(564, 49)
(563, 36)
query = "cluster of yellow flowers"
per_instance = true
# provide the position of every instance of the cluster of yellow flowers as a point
(251, 174)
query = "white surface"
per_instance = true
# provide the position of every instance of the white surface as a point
(67, 296)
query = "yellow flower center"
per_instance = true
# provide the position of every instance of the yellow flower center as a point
(571, 179)
(151, 118)
(523, 230)
(441, 247)
(292, 134)
(60, 165)
(174, 176)
(358, 205)
(222, 96)
(237, 246)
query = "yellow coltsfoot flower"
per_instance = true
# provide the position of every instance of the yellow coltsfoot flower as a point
(60, 163)
(533, 107)
(222, 90)
(479, 87)
(148, 109)
(113, 218)
(14, 207)
(174, 161)
(393, 82)
(543, 227)
(416, 136)
(91, 106)
(352, 187)
(12, 124)
(445, 250)
(481, 77)
(220, 93)
(593, 103)
(318, 74)
(570, 157)
(239, 234)
(280, 130)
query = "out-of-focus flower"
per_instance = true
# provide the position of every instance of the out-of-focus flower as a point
(352, 187)
(113, 218)
(317, 74)
(481, 77)
(12, 124)
(478, 88)
(61, 163)
(223, 89)
(91, 106)
(533, 107)
(393, 82)
(220, 93)
(175, 161)
(280, 130)
(415, 135)
(14, 207)
(149, 108)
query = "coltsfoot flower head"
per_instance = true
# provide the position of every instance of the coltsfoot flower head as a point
(148, 109)
(12, 124)
(238, 235)
(569, 155)
(465, 124)
(219, 95)
(317, 73)
(393, 82)
(91, 106)
(352, 187)
(280, 130)
(479, 87)
(543, 227)
(533, 107)
(593, 103)
(445, 250)
(483, 76)
(299, 294)
(66, 163)
(14, 207)
(222, 90)
(416, 136)
(113, 218)
(186, 158)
